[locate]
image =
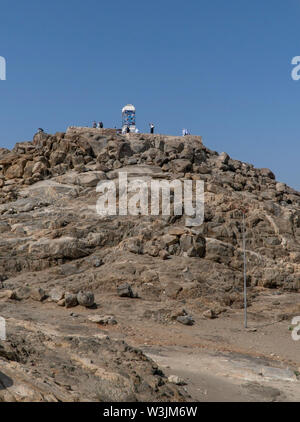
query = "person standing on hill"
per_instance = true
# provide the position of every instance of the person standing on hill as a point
(101, 125)
(151, 127)
(94, 125)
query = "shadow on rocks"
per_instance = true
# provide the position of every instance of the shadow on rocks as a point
(5, 381)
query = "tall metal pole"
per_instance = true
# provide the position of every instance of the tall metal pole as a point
(245, 272)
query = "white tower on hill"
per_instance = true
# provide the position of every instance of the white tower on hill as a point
(128, 117)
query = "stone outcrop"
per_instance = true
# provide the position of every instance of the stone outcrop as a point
(56, 249)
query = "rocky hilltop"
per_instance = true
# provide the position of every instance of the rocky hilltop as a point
(121, 273)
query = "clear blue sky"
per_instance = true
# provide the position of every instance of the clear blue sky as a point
(220, 68)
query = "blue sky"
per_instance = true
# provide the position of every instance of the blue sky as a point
(220, 68)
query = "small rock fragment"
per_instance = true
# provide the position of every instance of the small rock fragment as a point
(98, 263)
(125, 290)
(163, 254)
(7, 351)
(186, 320)
(210, 314)
(103, 320)
(6, 294)
(174, 379)
(38, 294)
(61, 302)
(95, 318)
(101, 336)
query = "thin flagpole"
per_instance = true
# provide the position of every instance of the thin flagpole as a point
(245, 272)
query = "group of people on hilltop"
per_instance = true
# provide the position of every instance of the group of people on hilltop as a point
(98, 125)
(126, 129)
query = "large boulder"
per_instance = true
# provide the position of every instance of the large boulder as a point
(267, 173)
(90, 179)
(71, 300)
(56, 294)
(218, 251)
(86, 299)
(193, 245)
(64, 247)
(57, 157)
(181, 165)
(15, 171)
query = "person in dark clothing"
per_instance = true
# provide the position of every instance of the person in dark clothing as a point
(128, 129)
(101, 125)
(151, 127)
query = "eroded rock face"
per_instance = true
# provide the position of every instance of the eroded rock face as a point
(80, 369)
(51, 160)
(54, 245)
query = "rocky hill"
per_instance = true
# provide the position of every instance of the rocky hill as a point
(139, 269)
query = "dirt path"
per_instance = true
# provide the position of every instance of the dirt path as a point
(213, 377)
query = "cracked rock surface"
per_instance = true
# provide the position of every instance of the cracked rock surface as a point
(139, 269)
